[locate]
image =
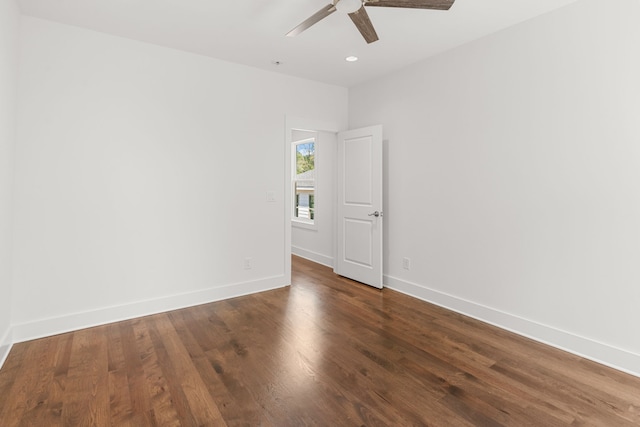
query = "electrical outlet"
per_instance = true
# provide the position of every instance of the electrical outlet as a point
(247, 264)
(406, 263)
(271, 196)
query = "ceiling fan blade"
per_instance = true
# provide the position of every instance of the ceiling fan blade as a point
(361, 18)
(412, 4)
(313, 19)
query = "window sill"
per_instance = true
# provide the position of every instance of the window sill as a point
(303, 224)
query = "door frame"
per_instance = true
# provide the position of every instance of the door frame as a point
(291, 123)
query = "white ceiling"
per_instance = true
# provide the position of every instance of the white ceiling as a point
(252, 32)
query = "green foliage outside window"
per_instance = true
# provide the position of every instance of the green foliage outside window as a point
(305, 157)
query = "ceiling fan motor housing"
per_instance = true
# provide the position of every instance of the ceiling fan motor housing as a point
(348, 6)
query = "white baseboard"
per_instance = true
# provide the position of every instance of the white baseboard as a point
(6, 342)
(587, 348)
(72, 322)
(312, 256)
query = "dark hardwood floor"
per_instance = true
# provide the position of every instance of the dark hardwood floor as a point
(324, 352)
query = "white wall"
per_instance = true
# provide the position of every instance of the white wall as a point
(141, 177)
(316, 243)
(9, 27)
(513, 178)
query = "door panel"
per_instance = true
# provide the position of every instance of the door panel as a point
(359, 251)
(357, 176)
(357, 241)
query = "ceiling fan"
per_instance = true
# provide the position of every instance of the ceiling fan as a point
(358, 14)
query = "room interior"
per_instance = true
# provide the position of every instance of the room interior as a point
(134, 162)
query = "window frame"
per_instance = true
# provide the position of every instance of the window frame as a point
(310, 224)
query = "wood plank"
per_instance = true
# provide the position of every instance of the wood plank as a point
(203, 408)
(221, 375)
(162, 411)
(119, 396)
(136, 388)
(86, 394)
(57, 387)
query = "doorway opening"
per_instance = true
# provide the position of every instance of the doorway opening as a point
(309, 202)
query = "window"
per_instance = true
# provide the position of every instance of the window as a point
(304, 181)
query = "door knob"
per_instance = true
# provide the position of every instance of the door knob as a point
(376, 214)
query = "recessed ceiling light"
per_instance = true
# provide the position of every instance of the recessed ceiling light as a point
(351, 58)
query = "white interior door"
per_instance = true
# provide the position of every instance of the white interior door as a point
(359, 208)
